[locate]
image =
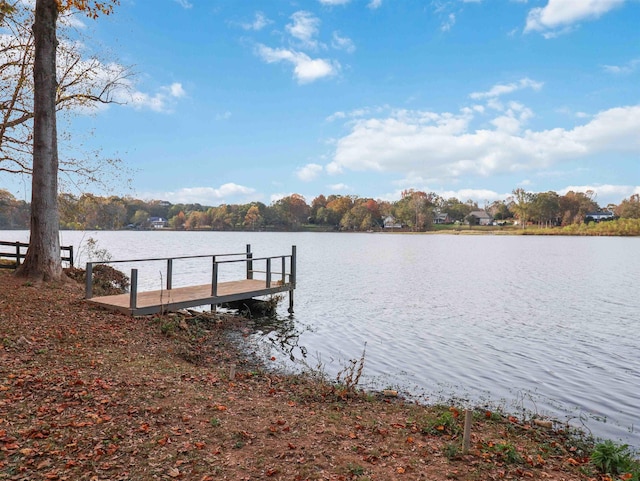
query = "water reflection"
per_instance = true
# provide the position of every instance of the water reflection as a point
(282, 334)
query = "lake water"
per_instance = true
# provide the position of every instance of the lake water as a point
(546, 324)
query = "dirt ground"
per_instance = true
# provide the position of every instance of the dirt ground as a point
(87, 394)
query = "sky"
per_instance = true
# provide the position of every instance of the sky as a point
(236, 101)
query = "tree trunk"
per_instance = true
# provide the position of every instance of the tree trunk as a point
(43, 256)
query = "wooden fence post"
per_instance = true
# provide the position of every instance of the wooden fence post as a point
(466, 437)
(88, 281)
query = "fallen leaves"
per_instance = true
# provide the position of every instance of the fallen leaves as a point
(109, 397)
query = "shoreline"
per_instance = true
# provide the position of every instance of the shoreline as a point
(88, 392)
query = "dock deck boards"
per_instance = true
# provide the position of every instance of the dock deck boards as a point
(152, 302)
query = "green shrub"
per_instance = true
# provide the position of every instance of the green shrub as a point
(611, 458)
(446, 423)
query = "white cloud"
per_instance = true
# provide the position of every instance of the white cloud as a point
(184, 3)
(204, 195)
(305, 69)
(444, 146)
(334, 2)
(449, 22)
(605, 193)
(73, 19)
(572, 113)
(259, 22)
(480, 196)
(223, 116)
(162, 101)
(503, 89)
(559, 14)
(335, 116)
(309, 172)
(304, 28)
(278, 195)
(373, 4)
(342, 43)
(627, 68)
(477, 195)
(177, 90)
(357, 113)
(333, 168)
(338, 187)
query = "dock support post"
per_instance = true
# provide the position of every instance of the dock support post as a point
(290, 310)
(169, 273)
(88, 282)
(133, 294)
(249, 262)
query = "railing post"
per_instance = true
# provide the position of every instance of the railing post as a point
(268, 272)
(283, 271)
(88, 282)
(292, 278)
(70, 256)
(214, 278)
(133, 294)
(17, 254)
(249, 262)
(169, 273)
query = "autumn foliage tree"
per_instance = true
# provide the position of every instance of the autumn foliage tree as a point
(43, 256)
(521, 203)
(629, 208)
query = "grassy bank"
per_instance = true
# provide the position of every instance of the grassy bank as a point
(619, 227)
(89, 394)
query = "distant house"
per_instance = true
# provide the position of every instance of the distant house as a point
(390, 222)
(442, 218)
(158, 222)
(482, 216)
(601, 215)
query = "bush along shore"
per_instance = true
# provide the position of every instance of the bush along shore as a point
(87, 394)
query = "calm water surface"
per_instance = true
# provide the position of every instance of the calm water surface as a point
(547, 324)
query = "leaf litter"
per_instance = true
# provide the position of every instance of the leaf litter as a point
(87, 394)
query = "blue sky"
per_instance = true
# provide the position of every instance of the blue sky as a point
(242, 100)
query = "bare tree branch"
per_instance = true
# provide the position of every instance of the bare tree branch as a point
(85, 84)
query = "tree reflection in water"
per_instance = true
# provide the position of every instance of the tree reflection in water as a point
(283, 334)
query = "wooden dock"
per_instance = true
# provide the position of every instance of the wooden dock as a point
(135, 303)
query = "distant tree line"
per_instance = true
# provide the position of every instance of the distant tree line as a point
(415, 211)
